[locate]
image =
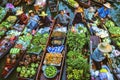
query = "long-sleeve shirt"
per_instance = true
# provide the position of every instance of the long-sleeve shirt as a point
(45, 21)
(103, 13)
(77, 18)
(22, 18)
(33, 22)
(63, 19)
(89, 15)
(97, 55)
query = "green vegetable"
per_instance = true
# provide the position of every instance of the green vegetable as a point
(33, 72)
(76, 41)
(18, 69)
(77, 66)
(109, 24)
(33, 65)
(14, 51)
(50, 71)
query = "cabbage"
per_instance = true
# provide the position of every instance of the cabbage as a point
(18, 69)
(36, 65)
(28, 72)
(33, 65)
(33, 72)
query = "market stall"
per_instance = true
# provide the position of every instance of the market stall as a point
(59, 46)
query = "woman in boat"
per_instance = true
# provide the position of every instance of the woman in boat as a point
(63, 19)
(78, 20)
(99, 54)
(45, 21)
(22, 17)
(104, 11)
(89, 14)
(33, 22)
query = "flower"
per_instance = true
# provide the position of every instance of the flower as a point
(9, 5)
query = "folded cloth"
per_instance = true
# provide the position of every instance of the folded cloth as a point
(57, 49)
(44, 30)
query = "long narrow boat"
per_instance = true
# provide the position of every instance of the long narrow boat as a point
(53, 6)
(13, 66)
(3, 53)
(40, 74)
(8, 47)
(15, 55)
(7, 29)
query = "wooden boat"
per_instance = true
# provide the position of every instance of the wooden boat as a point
(5, 73)
(40, 74)
(23, 60)
(53, 5)
(8, 47)
(6, 29)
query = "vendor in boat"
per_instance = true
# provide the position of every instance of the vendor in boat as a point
(89, 14)
(103, 12)
(99, 54)
(79, 17)
(44, 20)
(22, 17)
(63, 19)
(33, 22)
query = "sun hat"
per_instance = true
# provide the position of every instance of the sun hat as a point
(105, 47)
(79, 9)
(43, 13)
(19, 12)
(31, 11)
(91, 9)
(108, 5)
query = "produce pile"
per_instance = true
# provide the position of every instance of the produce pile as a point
(116, 64)
(58, 34)
(114, 31)
(50, 71)
(2, 13)
(77, 66)
(53, 59)
(24, 41)
(57, 41)
(2, 32)
(117, 41)
(38, 43)
(8, 22)
(4, 45)
(77, 63)
(14, 51)
(76, 41)
(73, 3)
(28, 66)
(11, 19)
